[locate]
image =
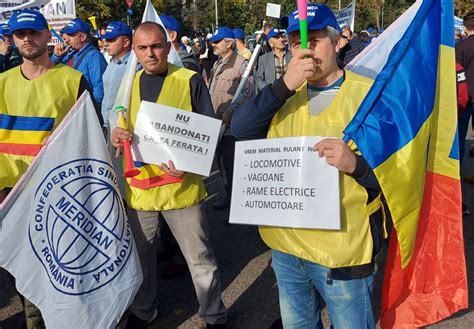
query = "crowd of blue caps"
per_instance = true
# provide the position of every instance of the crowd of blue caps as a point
(319, 16)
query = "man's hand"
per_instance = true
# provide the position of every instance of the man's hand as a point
(300, 68)
(60, 49)
(337, 154)
(343, 42)
(171, 170)
(118, 136)
(5, 48)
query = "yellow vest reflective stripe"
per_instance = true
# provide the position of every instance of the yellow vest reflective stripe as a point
(29, 111)
(152, 190)
(352, 245)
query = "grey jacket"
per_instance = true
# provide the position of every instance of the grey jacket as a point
(266, 69)
(189, 61)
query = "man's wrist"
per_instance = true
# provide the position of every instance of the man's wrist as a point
(281, 90)
(361, 169)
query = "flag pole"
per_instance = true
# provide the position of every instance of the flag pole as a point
(247, 71)
(303, 18)
(130, 170)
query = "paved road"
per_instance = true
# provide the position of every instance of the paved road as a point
(248, 283)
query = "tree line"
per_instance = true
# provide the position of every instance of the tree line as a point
(248, 14)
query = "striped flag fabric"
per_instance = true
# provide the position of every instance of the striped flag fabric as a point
(21, 135)
(406, 129)
(21, 139)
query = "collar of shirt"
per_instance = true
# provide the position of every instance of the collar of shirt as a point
(284, 53)
(335, 85)
(83, 49)
(121, 60)
(223, 61)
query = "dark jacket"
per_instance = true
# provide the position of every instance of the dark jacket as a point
(11, 60)
(465, 57)
(351, 50)
(189, 61)
(208, 58)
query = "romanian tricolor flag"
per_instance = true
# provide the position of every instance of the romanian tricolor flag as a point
(21, 138)
(406, 129)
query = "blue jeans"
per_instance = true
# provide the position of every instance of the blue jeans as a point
(301, 283)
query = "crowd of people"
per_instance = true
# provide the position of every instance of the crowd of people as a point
(291, 92)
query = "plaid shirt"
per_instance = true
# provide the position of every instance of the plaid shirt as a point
(280, 66)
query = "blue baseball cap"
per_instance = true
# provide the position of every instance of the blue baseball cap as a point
(5, 29)
(221, 33)
(273, 33)
(27, 19)
(170, 23)
(76, 25)
(319, 16)
(114, 29)
(238, 33)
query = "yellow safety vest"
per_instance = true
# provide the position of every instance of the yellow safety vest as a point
(146, 191)
(352, 245)
(29, 111)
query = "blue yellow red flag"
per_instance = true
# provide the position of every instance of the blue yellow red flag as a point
(23, 135)
(21, 139)
(406, 129)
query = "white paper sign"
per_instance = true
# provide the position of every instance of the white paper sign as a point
(273, 10)
(283, 182)
(459, 24)
(58, 13)
(164, 133)
(7, 7)
(345, 16)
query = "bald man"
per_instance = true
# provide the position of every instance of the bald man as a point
(178, 196)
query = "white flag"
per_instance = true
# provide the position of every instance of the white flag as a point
(64, 233)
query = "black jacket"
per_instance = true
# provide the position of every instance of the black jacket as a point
(11, 60)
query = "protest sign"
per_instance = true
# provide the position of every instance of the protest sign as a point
(273, 10)
(9, 6)
(458, 24)
(283, 182)
(58, 13)
(345, 16)
(164, 133)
